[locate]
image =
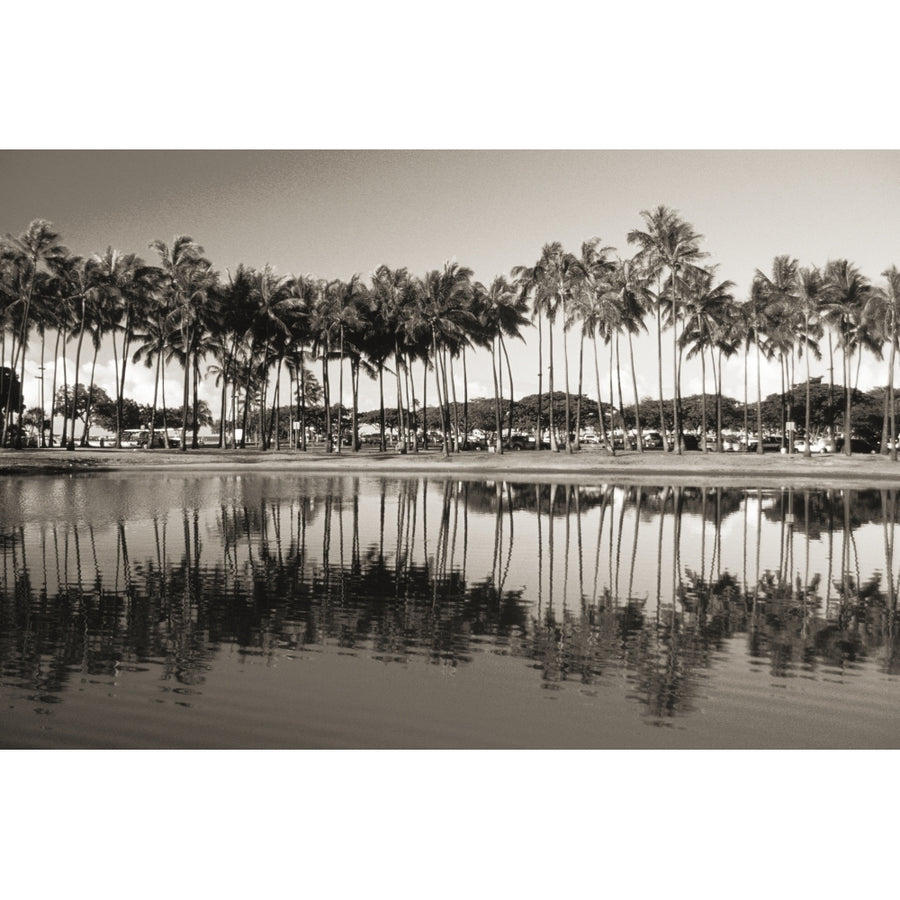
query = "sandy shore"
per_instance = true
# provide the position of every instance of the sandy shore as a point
(585, 467)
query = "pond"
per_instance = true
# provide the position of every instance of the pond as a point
(185, 610)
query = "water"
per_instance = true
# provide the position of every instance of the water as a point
(260, 611)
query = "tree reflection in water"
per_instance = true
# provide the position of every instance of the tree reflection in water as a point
(439, 571)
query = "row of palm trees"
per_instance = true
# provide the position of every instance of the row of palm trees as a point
(253, 325)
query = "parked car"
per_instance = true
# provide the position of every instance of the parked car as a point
(652, 440)
(819, 445)
(857, 445)
(517, 442)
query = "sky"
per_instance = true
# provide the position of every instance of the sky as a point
(334, 213)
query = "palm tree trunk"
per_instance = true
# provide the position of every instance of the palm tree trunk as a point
(273, 417)
(717, 376)
(411, 405)
(302, 403)
(455, 407)
(497, 424)
(830, 389)
(438, 367)
(223, 406)
(64, 441)
(53, 383)
(90, 399)
(553, 445)
(41, 370)
(400, 430)
(381, 404)
(568, 439)
(326, 395)
(704, 446)
(746, 400)
(466, 395)
(891, 403)
(165, 417)
(662, 408)
(341, 392)
(71, 444)
(580, 389)
(425, 403)
(676, 396)
(509, 426)
(354, 415)
(759, 435)
(195, 424)
(847, 400)
(152, 426)
(539, 432)
(807, 424)
(245, 415)
(612, 400)
(186, 344)
(637, 406)
(621, 401)
(604, 436)
(120, 385)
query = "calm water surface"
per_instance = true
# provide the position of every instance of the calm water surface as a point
(183, 610)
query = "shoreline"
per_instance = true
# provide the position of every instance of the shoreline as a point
(586, 466)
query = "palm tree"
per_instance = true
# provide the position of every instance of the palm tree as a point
(596, 306)
(705, 312)
(780, 293)
(37, 245)
(122, 285)
(559, 270)
(527, 282)
(881, 318)
(487, 304)
(846, 293)
(393, 293)
(667, 243)
(350, 297)
(892, 300)
(76, 287)
(728, 337)
(302, 292)
(269, 299)
(188, 280)
(629, 287)
(152, 342)
(590, 277)
(755, 324)
(512, 317)
(230, 329)
(45, 311)
(322, 323)
(444, 314)
(809, 295)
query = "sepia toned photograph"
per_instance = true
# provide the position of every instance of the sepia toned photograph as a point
(448, 449)
(295, 459)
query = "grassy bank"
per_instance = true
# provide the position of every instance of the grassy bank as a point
(585, 466)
